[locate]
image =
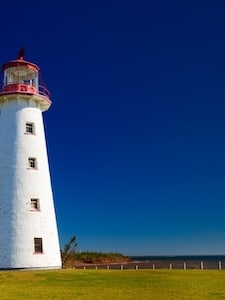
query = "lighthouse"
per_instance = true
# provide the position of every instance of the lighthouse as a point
(28, 228)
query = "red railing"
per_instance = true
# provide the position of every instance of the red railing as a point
(44, 91)
(25, 88)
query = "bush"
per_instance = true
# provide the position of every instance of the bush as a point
(95, 258)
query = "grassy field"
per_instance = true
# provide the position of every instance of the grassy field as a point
(112, 284)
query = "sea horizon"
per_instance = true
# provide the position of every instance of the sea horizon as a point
(195, 257)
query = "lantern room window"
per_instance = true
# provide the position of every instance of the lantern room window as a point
(21, 75)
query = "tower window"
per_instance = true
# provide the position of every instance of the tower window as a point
(38, 248)
(32, 162)
(30, 128)
(34, 204)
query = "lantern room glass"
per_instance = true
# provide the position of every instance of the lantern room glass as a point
(21, 75)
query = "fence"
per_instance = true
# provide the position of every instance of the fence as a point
(200, 265)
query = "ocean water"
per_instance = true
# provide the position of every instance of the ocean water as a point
(183, 258)
(180, 262)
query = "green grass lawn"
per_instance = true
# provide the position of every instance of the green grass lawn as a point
(112, 284)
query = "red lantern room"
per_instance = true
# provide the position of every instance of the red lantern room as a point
(21, 76)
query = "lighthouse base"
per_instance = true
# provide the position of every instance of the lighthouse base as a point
(31, 269)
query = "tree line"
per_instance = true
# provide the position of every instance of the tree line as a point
(70, 257)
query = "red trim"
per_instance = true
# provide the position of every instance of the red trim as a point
(19, 62)
(29, 133)
(37, 210)
(20, 87)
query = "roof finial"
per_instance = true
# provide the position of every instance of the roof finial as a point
(21, 53)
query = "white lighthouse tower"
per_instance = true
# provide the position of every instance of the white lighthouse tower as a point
(28, 229)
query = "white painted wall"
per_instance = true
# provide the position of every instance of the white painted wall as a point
(18, 184)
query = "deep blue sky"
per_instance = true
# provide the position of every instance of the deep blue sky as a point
(136, 131)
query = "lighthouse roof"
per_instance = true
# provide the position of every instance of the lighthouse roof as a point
(22, 63)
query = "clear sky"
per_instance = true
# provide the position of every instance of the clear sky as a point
(136, 131)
